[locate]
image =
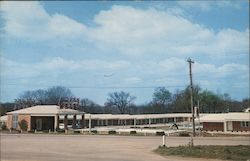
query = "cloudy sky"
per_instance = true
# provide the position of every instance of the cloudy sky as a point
(95, 48)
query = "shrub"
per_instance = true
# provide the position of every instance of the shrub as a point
(94, 131)
(31, 131)
(132, 132)
(112, 132)
(4, 127)
(183, 134)
(77, 132)
(23, 125)
(160, 133)
(60, 130)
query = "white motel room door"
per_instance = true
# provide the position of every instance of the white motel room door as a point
(230, 126)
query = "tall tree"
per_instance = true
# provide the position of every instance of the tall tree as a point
(246, 103)
(161, 96)
(40, 96)
(120, 100)
(209, 101)
(90, 106)
(54, 94)
(181, 99)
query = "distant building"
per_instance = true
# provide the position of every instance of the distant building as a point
(226, 122)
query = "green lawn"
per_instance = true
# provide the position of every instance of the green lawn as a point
(237, 153)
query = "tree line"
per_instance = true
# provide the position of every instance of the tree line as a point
(163, 101)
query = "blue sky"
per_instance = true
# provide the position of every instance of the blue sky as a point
(95, 48)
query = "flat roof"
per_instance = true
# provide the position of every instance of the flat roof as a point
(50, 110)
(221, 117)
(142, 116)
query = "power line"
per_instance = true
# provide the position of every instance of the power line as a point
(109, 87)
(117, 87)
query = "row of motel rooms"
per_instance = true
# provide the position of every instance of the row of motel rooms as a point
(52, 117)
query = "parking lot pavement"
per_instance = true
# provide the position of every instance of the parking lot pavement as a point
(44, 147)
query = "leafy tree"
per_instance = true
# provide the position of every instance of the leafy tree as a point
(246, 103)
(161, 100)
(181, 99)
(209, 101)
(161, 96)
(120, 100)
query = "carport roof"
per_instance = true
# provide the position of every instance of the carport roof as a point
(45, 109)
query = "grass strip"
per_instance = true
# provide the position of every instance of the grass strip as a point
(236, 153)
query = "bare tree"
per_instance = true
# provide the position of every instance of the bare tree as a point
(40, 96)
(90, 106)
(54, 94)
(120, 100)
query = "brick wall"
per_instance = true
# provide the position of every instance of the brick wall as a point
(237, 126)
(213, 126)
(9, 121)
(26, 118)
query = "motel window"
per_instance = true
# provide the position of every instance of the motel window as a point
(14, 121)
(245, 124)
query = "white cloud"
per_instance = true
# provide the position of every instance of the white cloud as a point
(129, 31)
(29, 20)
(221, 71)
(132, 80)
(207, 5)
(57, 65)
(203, 5)
(173, 64)
(101, 64)
(124, 30)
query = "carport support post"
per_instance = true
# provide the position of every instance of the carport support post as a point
(56, 123)
(65, 122)
(74, 121)
(135, 122)
(225, 126)
(89, 123)
(82, 122)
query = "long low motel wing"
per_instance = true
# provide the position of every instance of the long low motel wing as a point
(51, 117)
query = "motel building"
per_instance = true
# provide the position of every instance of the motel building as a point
(227, 122)
(52, 117)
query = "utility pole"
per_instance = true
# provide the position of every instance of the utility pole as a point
(191, 93)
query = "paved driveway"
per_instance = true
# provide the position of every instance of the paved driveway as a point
(97, 148)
